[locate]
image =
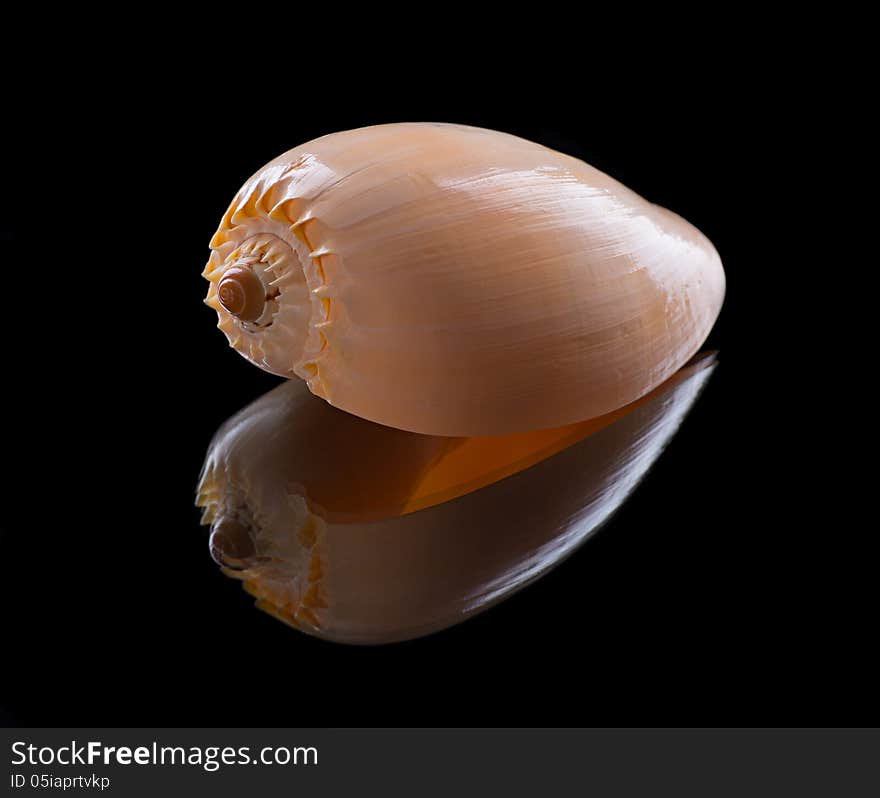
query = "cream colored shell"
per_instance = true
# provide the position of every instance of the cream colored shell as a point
(451, 280)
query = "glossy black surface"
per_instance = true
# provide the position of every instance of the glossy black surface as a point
(721, 594)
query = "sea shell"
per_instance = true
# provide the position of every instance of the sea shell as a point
(362, 533)
(450, 280)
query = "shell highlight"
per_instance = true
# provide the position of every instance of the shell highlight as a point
(456, 281)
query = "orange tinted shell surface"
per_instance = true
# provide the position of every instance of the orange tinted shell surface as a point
(457, 281)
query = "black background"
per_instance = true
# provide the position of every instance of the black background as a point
(719, 595)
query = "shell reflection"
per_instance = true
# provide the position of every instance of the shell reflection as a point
(361, 533)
